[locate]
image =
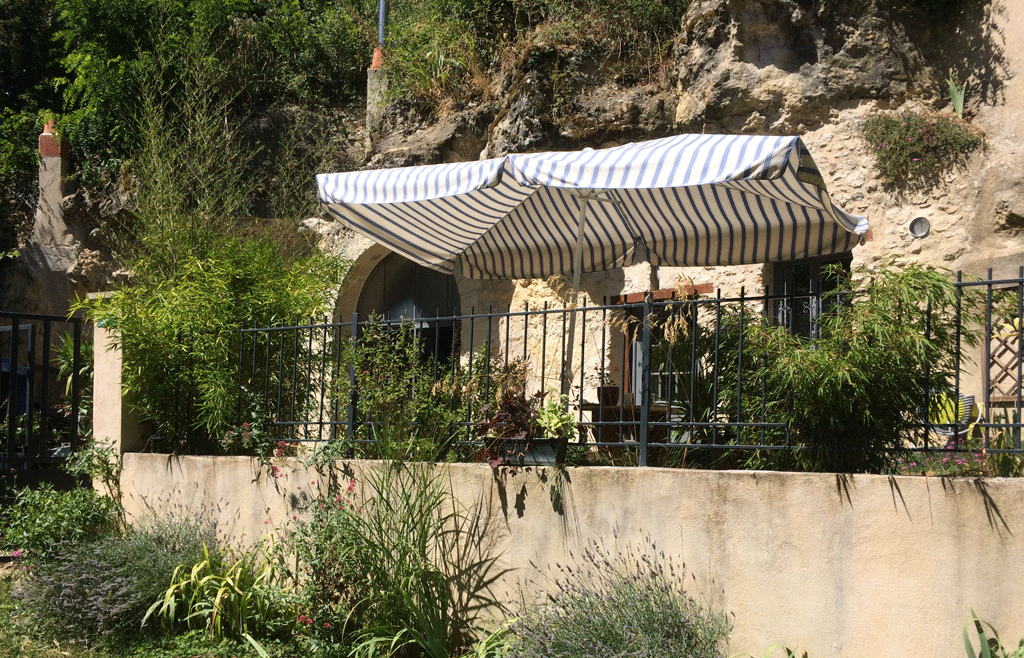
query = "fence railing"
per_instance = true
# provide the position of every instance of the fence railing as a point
(41, 389)
(691, 386)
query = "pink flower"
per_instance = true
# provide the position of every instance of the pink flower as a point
(17, 553)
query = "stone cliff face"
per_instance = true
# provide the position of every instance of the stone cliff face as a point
(756, 66)
(814, 68)
(782, 66)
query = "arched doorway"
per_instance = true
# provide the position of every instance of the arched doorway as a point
(400, 290)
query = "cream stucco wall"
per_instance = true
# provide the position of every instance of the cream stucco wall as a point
(840, 566)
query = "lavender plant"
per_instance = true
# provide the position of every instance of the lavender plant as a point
(630, 603)
(84, 590)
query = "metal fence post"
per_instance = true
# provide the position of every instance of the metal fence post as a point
(645, 380)
(76, 379)
(351, 430)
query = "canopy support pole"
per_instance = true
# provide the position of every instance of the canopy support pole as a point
(577, 265)
(585, 196)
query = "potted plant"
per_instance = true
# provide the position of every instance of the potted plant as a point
(516, 432)
(558, 426)
(601, 378)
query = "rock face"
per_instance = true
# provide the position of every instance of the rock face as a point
(780, 66)
(816, 68)
(753, 66)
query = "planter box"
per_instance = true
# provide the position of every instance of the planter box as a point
(530, 452)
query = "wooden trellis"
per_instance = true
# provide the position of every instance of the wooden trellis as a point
(1004, 366)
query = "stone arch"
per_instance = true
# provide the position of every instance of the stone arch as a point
(359, 270)
(399, 289)
(383, 283)
(362, 270)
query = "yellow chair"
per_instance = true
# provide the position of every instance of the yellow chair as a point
(952, 416)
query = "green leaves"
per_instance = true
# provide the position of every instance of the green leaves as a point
(914, 152)
(847, 396)
(200, 269)
(989, 647)
(240, 600)
(41, 518)
(403, 565)
(555, 419)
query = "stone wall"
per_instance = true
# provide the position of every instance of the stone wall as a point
(839, 566)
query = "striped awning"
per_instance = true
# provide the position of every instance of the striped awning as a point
(682, 200)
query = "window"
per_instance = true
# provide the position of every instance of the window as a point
(660, 377)
(795, 291)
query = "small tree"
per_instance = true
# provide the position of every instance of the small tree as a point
(848, 396)
(200, 268)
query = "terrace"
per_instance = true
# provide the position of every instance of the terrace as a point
(836, 379)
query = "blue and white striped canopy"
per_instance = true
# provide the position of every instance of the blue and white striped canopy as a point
(682, 200)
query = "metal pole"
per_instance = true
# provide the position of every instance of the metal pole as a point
(577, 264)
(586, 196)
(645, 377)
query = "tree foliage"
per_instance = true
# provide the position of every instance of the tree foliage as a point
(307, 52)
(849, 396)
(202, 268)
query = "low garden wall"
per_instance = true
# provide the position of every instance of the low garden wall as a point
(839, 566)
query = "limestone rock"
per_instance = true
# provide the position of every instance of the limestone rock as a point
(526, 121)
(780, 66)
(457, 137)
(93, 271)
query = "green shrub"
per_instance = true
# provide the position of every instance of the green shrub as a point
(87, 589)
(848, 397)
(411, 402)
(42, 518)
(913, 152)
(200, 270)
(313, 51)
(401, 571)
(239, 597)
(629, 603)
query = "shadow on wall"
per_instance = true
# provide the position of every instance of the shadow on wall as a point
(974, 51)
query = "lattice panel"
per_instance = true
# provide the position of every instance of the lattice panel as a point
(1004, 366)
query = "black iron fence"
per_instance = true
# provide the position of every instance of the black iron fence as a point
(707, 381)
(42, 383)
